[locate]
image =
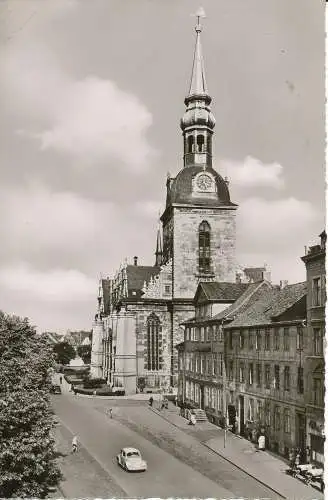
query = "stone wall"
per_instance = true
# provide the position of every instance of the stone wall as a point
(223, 239)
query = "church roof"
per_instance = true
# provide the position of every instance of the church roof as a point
(137, 275)
(181, 189)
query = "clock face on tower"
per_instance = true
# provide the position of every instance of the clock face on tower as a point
(204, 182)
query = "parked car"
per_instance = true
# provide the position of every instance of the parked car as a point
(56, 389)
(130, 459)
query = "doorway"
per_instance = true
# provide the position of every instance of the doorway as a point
(241, 415)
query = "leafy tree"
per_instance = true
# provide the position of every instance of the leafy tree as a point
(27, 453)
(84, 351)
(64, 352)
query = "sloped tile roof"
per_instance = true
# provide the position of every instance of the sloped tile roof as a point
(250, 295)
(287, 297)
(272, 303)
(137, 275)
(215, 290)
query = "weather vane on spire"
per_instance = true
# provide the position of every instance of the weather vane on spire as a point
(199, 14)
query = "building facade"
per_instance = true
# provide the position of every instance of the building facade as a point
(248, 364)
(314, 369)
(141, 309)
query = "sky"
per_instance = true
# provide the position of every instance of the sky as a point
(91, 96)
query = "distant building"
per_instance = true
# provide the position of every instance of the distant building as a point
(314, 361)
(77, 338)
(53, 337)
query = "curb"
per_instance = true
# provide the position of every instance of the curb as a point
(157, 412)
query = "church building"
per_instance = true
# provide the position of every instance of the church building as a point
(141, 309)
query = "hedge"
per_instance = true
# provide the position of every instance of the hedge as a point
(94, 383)
(103, 391)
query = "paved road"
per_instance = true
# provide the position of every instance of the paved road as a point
(103, 438)
(179, 466)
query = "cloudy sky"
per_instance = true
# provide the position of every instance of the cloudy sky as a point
(91, 97)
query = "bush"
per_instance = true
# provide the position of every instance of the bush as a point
(93, 383)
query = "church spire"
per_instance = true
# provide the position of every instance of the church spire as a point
(198, 81)
(159, 248)
(198, 122)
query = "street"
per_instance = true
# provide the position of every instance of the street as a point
(178, 465)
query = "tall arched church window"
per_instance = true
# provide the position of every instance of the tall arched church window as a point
(190, 144)
(154, 343)
(200, 143)
(204, 247)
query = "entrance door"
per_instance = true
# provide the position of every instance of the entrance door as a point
(202, 397)
(300, 432)
(241, 415)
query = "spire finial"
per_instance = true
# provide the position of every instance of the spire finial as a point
(199, 14)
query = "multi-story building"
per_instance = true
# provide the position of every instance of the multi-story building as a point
(202, 353)
(314, 367)
(253, 366)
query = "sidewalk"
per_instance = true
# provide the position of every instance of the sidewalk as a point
(262, 465)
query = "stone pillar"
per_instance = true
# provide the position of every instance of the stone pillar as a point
(98, 331)
(125, 356)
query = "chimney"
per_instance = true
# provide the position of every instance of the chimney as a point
(238, 277)
(283, 284)
(135, 260)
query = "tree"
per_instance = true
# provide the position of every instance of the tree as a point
(64, 352)
(84, 351)
(27, 453)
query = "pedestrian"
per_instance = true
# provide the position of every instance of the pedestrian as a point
(110, 413)
(60, 379)
(74, 444)
(176, 400)
(308, 454)
(151, 400)
(261, 442)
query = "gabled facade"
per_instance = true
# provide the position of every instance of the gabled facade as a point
(202, 354)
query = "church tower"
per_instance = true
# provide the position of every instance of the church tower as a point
(199, 229)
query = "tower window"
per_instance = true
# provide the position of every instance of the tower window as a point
(200, 143)
(190, 144)
(204, 247)
(153, 343)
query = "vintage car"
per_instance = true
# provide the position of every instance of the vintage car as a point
(130, 459)
(56, 389)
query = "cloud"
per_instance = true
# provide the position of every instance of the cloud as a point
(56, 285)
(280, 226)
(37, 217)
(90, 119)
(253, 173)
(150, 208)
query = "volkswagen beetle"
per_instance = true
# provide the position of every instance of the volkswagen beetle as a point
(130, 459)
